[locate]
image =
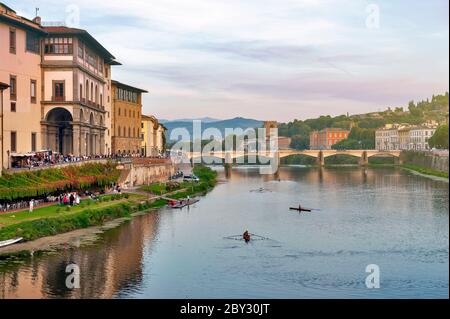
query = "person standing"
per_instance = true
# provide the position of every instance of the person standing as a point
(31, 205)
(71, 199)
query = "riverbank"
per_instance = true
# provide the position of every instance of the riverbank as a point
(426, 172)
(50, 227)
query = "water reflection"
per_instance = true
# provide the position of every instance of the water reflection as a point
(112, 265)
(387, 216)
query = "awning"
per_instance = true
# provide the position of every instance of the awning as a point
(23, 154)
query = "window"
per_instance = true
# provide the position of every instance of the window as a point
(13, 106)
(129, 132)
(80, 50)
(33, 43)
(118, 132)
(12, 40)
(87, 90)
(58, 91)
(33, 142)
(58, 46)
(13, 87)
(33, 87)
(81, 91)
(13, 141)
(91, 59)
(119, 111)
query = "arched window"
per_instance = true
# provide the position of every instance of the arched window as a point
(92, 92)
(96, 94)
(81, 92)
(118, 133)
(134, 132)
(87, 90)
(129, 132)
(101, 99)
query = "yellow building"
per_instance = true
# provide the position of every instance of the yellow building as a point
(152, 136)
(126, 118)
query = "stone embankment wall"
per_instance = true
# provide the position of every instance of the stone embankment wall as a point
(437, 161)
(140, 172)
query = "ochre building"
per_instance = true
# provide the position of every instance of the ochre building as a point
(126, 118)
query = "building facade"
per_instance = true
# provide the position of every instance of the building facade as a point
(126, 119)
(324, 139)
(152, 137)
(20, 59)
(419, 137)
(60, 89)
(404, 137)
(387, 139)
(76, 101)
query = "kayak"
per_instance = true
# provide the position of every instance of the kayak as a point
(10, 242)
(301, 209)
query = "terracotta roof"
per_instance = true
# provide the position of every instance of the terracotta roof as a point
(86, 37)
(117, 83)
(9, 15)
(148, 117)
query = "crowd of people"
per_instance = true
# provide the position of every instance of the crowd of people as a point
(49, 158)
(64, 199)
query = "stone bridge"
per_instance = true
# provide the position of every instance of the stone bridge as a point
(320, 155)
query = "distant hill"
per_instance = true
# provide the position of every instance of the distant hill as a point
(203, 119)
(221, 125)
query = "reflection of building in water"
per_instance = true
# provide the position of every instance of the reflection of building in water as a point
(112, 266)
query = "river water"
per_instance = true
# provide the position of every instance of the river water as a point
(385, 216)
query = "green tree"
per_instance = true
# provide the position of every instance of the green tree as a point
(440, 138)
(300, 142)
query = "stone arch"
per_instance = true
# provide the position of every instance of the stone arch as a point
(91, 119)
(81, 115)
(59, 130)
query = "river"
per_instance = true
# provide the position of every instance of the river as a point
(384, 216)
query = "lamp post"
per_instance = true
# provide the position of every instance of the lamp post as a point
(3, 87)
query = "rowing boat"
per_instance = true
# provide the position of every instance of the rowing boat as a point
(185, 203)
(10, 242)
(301, 209)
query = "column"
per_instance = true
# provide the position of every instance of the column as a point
(321, 159)
(76, 140)
(102, 143)
(364, 160)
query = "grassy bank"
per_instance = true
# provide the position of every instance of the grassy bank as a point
(208, 179)
(69, 221)
(54, 220)
(425, 170)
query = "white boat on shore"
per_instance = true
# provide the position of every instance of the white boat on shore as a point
(10, 242)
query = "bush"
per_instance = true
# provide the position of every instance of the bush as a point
(45, 182)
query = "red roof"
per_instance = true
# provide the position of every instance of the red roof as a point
(85, 36)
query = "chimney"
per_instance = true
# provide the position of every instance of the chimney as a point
(37, 20)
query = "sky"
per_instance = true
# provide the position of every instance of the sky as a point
(266, 59)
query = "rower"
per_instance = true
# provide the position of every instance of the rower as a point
(246, 236)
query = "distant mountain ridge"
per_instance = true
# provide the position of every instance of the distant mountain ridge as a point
(221, 125)
(203, 119)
